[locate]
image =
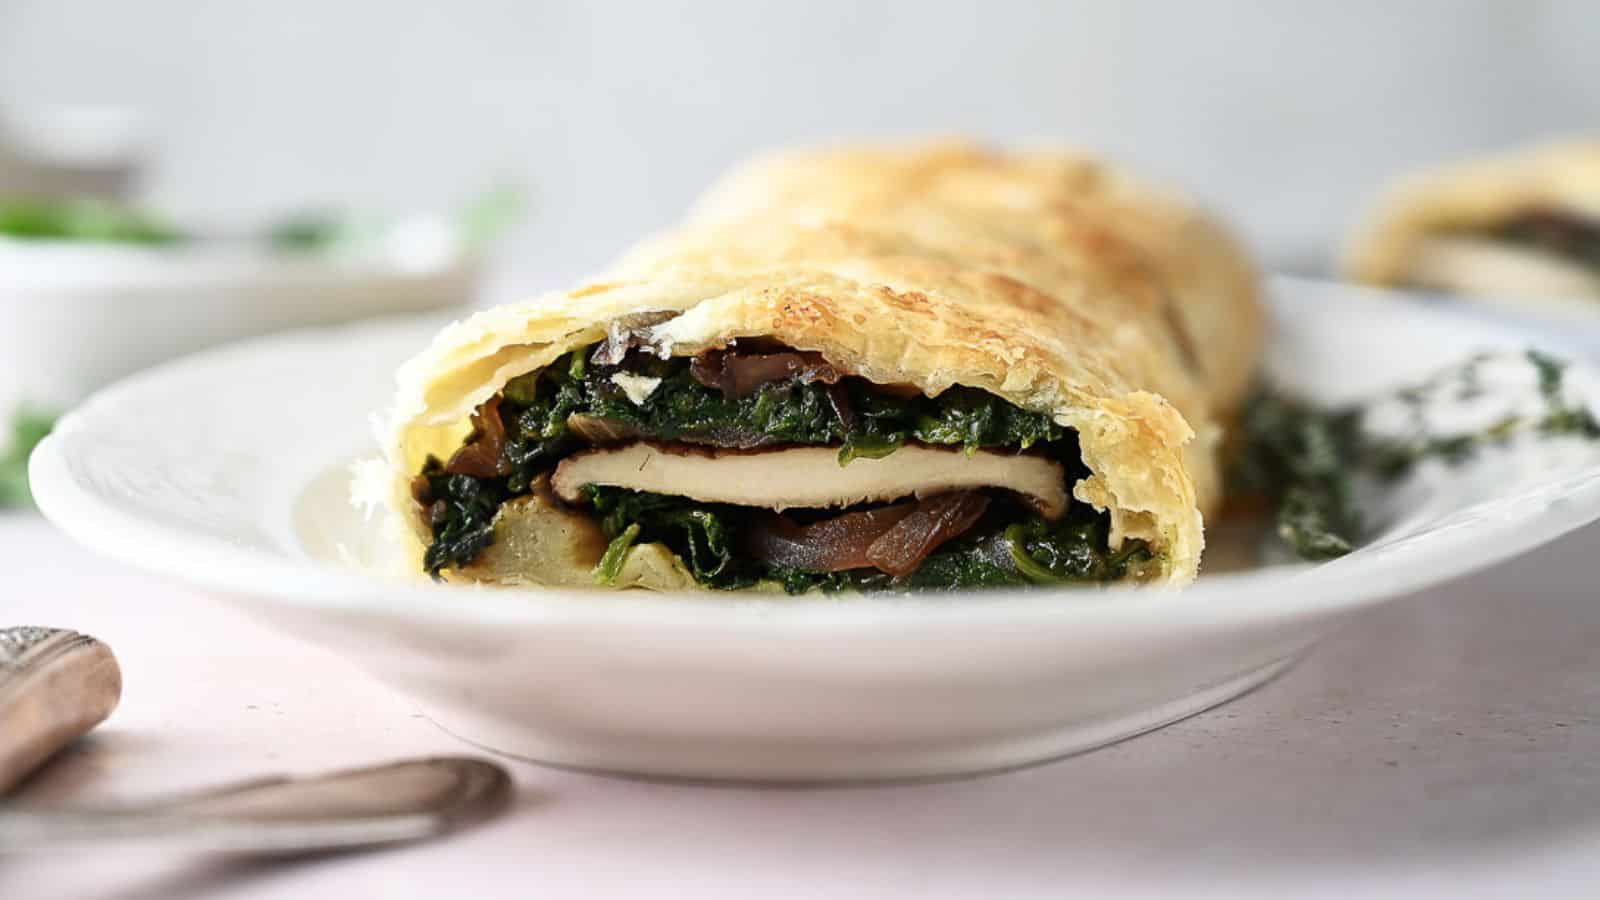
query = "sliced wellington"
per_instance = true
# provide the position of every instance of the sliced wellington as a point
(900, 368)
(1524, 225)
(811, 477)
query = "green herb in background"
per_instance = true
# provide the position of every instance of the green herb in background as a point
(28, 428)
(1560, 417)
(491, 214)
(309, 232)
(83, 219)
(483, 220)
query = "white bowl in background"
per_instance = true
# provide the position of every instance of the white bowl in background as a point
(228, 470)
(75, 316)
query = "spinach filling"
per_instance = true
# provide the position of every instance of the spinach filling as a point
(547, 415)
(1302, 460)
(680, 408)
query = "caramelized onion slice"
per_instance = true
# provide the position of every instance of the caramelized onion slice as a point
(831, 545)
(894, 539)
(901, 549)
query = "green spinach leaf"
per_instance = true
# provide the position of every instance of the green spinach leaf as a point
(1305, 460)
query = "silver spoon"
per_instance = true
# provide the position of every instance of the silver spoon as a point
(368, 807)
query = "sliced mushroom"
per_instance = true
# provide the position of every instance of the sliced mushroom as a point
(739, 374)
(810, 477)
(483, 455)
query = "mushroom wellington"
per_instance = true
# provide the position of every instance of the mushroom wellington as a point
(884, 368)
(1521, 228)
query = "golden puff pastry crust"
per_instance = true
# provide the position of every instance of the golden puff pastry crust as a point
(990, 282)
(1049, 200)
(1472, 196)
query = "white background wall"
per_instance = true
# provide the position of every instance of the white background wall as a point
(1285, 115)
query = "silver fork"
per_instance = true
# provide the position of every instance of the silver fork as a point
(55, 685)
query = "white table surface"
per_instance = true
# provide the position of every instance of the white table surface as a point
(1448, 743)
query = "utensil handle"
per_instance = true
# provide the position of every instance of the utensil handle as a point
(55, 685)
(66, 830)
(384, 804)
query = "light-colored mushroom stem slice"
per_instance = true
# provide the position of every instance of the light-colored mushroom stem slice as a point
(810, 477)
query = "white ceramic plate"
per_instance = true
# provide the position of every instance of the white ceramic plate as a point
(228, 470)
(1571, 321)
